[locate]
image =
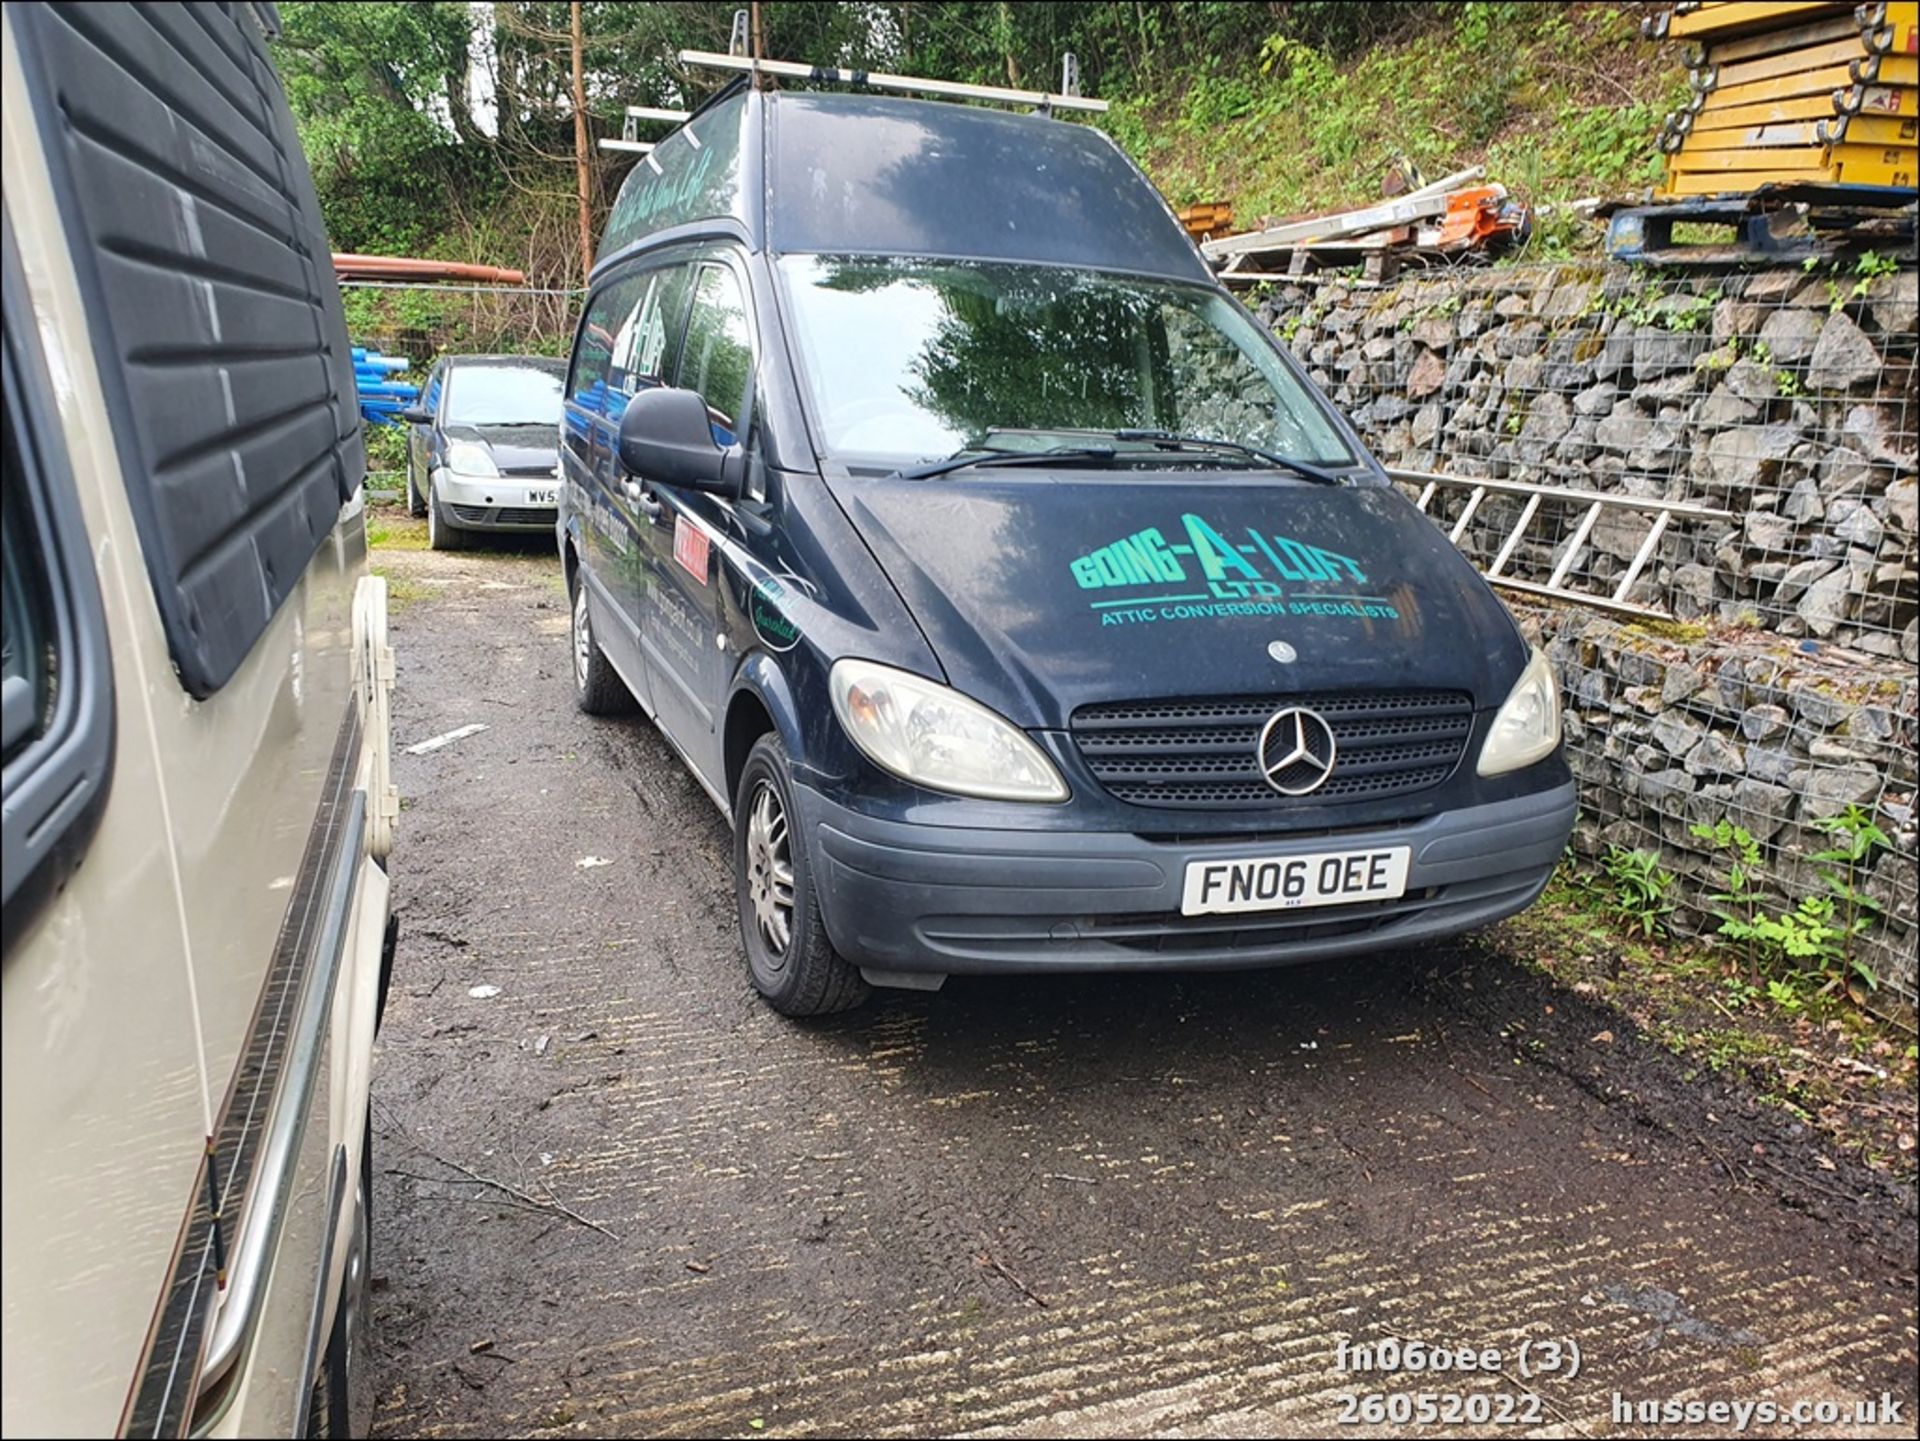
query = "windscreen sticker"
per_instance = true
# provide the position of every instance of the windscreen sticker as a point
(1207, 576)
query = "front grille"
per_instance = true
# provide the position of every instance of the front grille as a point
(1201, 754)
(502, 514)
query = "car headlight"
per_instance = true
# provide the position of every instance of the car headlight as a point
(936, 737)
(1527, 727)
(465, 457)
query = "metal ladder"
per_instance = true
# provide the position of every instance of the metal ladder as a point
(1664, 513)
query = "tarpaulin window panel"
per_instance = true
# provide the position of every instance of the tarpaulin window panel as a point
(216, 317)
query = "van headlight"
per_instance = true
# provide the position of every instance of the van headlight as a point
(934, 736)
(1528, 725)
(464, 457)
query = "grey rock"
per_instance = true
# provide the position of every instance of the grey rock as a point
(1624, 428)
(1831, 791)
(1694, 593)
(1762, 807)
(1660, 451)
(1715, 755)
(1767, 531)
(1844, 469)
(1763, 722)
(1620, 532)
(1436, 332)
(1724, 408)
(1866, 428)
(1794, 583)
(1570, 300)
(1827, 602)
(1819, 708)
(1677, 732)
(1894, 303)
(1844, 357)
(1547, 420)
(1733, 318)
(1790, 335)
(1774, 767)
(1596, 399)
(1682, 681)
(1854, 522)
(1739, 459)
(1750, 380)
(1664, 790)
(1655, 352)
(1871, 723)
(1803, 502)
(1379, 348)
(1899, 506)
(1426, 424)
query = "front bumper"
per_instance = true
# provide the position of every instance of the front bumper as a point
(507, 502)
(947, 900)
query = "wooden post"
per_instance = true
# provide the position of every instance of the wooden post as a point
(760, 81)
(580, 155)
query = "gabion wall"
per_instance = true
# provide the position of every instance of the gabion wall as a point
(1784, 398)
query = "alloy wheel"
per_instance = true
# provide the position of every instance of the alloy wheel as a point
(770, 870)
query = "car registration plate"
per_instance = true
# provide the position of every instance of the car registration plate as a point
(1285, 883)
(543, 495)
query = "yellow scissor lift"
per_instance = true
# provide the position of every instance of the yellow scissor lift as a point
(1791, 102)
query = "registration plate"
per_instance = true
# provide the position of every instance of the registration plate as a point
(547, 495)
(1285, 883)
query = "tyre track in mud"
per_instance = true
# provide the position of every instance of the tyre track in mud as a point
(1044, 1207)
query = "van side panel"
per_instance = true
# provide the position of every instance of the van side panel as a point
(106, 1103)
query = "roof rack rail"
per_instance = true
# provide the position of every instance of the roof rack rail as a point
(907, 84)
(629, 135)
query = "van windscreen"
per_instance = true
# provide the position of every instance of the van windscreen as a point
(908, 359)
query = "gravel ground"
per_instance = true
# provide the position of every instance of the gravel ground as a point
(1110, 1206)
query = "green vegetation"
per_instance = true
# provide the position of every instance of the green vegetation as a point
(1637, 887)
(1282, 109)
(1811, 943)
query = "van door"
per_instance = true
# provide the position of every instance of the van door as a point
(627, 343)
(682, 630)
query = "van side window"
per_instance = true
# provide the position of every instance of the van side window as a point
(28, 658)
(430, 402)
(718, 360)
(56, 686)
(629, 340)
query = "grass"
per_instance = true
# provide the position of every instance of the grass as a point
(1838, 1069)
(396, 532)
(1559, 103)
(402, 591)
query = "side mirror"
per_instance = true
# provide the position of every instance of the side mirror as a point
(417, 415)
(667, 437)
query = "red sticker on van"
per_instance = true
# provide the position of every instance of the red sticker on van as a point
(690, 548)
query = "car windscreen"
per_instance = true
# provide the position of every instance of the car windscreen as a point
(503, 395)
(911, 359)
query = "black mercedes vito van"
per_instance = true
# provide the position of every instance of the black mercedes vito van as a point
(1017, 597)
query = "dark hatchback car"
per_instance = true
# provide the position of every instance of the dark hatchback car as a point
(1013, 592)
(483, 447)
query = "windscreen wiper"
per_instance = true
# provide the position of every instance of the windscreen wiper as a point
(1166, 440)
(960, 460)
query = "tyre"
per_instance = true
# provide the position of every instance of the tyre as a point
(415, 505)
(789, 957)
(342, 1402)
(597, 687)
(441, 535)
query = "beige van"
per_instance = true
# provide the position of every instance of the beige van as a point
(196, 799)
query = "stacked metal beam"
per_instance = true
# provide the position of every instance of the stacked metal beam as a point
(1793, 93)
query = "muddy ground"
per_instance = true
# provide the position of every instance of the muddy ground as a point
(1151, 1204)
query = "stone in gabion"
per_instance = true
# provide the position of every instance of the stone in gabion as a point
(1790, 335)
(1763, 722)
(1844, 357)
(1827, 603)
(1830, 792)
